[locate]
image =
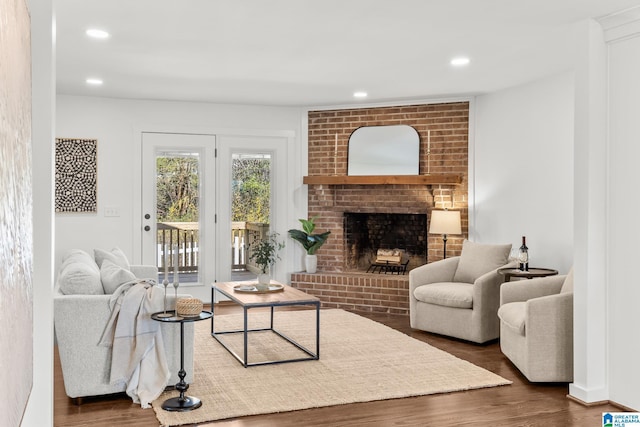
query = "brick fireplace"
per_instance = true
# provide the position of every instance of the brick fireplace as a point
(339, 283)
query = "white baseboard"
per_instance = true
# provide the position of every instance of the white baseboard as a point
(588, 396)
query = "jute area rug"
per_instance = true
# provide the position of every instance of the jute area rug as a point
(360, 361)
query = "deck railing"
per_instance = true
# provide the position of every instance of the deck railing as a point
(255, 231)
(183, 238)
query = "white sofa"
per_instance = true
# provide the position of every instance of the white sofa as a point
(81, 311)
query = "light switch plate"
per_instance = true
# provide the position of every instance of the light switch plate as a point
(112, 211)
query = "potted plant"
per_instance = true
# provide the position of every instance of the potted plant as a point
(265, 253)
(310, 242)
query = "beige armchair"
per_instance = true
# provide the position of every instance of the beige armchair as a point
(536, 327)
(459, 296)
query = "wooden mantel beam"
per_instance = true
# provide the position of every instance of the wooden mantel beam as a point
(383, 179)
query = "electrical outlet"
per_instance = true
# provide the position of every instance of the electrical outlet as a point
(111, 211)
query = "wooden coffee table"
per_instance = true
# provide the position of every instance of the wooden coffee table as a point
(286, 296)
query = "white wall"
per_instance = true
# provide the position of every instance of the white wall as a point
(115, 124)
(623, 206)
(39, 411)
(523, 170)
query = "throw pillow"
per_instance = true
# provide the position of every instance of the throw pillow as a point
(75, 255)
(478, 259)
(116, 256)
(79, 274)
(113, 276)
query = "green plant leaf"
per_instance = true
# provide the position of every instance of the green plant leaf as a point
(308, 225)
(310, 242)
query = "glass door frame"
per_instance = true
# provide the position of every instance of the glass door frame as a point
(277, 147)
(204, 145)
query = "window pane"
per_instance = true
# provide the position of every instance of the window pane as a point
(250, 207)
(178, 215)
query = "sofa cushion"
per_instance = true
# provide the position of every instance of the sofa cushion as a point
(448, 294)
(79, 274)
(75, 255)
(116, 256)
(513, 315)
(567, 285)
(477, 259)
(113, 276)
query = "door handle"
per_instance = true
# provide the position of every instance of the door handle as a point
(147, 228)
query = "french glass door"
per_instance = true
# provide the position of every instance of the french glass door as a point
(203, 198)
(178, 206)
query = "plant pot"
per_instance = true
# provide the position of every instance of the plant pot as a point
(264, 279)
(311, 263)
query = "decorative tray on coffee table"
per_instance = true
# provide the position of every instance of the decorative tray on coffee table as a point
(252, 289)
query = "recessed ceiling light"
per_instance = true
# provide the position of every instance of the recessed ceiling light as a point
(94, 81)
(360, 94)
(97, 34)
(460, 61)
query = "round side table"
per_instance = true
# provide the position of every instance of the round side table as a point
(181, 403)
(508, 273)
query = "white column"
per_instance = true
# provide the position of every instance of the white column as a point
(623, 294)
(590, 349)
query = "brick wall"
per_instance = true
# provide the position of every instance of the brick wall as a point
(449, 125)
(380, 293)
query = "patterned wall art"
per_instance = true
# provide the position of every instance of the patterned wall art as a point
(16, 196)
(76, 175)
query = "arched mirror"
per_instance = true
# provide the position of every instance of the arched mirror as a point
(384, 150)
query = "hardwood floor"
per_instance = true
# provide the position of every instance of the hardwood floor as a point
(519, 404)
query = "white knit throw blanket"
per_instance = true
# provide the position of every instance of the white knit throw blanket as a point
(138, 358)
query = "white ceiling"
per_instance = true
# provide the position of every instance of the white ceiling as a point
(313, 53)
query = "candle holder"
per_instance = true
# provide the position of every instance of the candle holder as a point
(429, 152)
(165, 281)
(176, 284)
(335, 157)
(164, 314)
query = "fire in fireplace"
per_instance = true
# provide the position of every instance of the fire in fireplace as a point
(365, 233)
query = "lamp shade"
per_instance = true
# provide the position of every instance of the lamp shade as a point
(445, 222)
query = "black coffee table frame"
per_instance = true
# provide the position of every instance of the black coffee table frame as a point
(272, 304)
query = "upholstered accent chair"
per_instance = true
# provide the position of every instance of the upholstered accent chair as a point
(536, 327)
(460, 296)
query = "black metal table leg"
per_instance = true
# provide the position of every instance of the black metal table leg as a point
(246, 337)
(182, 403)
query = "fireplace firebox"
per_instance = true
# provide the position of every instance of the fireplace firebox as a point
(365, 233)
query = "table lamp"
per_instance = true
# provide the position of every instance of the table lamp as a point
(445, 222)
